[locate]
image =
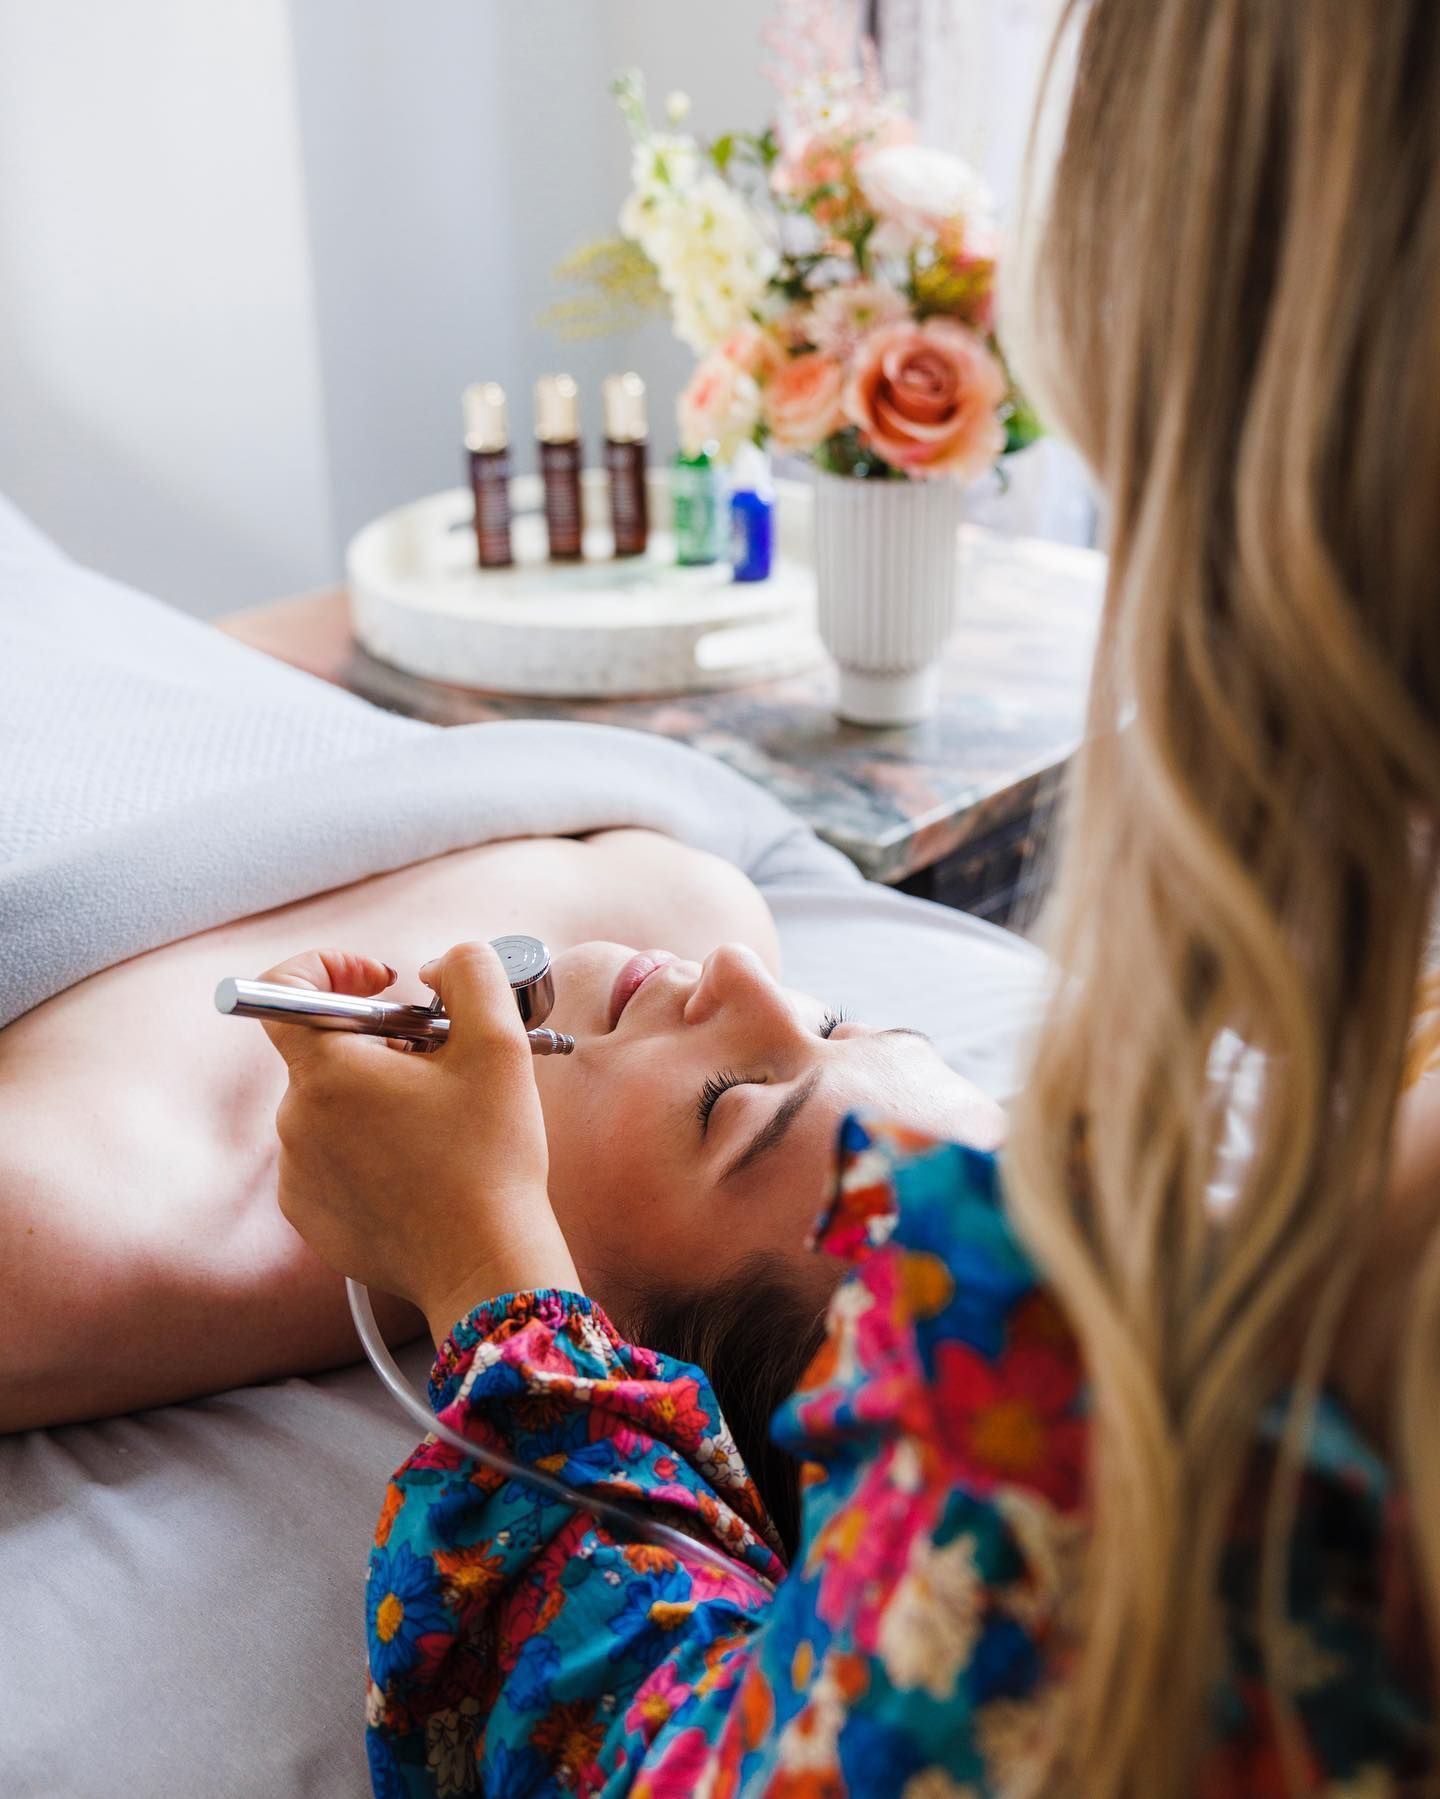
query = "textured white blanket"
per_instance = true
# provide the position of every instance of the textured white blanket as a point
(157, 778)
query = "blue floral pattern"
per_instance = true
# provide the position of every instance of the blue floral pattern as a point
(918, 1644)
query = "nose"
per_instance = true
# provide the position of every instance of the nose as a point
(735, 985)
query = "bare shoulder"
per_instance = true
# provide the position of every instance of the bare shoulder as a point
(672, 896)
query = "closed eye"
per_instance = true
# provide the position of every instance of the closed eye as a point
(724, 1079)
(715, 1085)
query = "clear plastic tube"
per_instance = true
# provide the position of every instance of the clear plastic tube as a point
(629, 1520)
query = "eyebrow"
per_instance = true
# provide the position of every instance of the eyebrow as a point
(905, 1030)
(773, 1132)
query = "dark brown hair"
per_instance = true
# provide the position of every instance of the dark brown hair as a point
(752, 1334)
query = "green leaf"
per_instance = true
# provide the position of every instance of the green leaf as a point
(1022, 423)
(847, 454)
(722, 150)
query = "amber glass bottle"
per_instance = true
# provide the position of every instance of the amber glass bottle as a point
(557, 426)
(625, 456)
(487, 439)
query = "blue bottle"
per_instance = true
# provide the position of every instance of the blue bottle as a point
(752, 516)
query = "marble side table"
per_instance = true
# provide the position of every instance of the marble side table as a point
(951, 809)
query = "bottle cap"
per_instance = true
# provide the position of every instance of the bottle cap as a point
(624, 409)
(557, 409)
(486, 427)
(750, 472)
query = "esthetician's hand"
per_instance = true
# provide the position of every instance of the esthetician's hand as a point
(420, 1175)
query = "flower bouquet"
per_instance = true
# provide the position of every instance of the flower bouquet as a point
(837, 281)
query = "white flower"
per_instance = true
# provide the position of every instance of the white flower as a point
(710, 254)
(593, 1341)
(808, 1742)
(677, 106)
(929, 1628)
(1046, 1599)
(485, 1355)
(718, 1459)
(664, 163)
(907, 1474)
(916, 191)
(851, 1301)
(866, 1168)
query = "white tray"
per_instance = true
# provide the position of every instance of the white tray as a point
(601, 626)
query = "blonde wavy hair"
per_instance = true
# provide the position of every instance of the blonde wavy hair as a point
(1232, 308)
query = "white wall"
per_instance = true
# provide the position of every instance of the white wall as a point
(159, 392)
(449, 169)
(250, 251)
(969, 71)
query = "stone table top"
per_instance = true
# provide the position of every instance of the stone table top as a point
(895, 801)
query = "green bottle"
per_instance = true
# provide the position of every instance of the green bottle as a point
(699, 519)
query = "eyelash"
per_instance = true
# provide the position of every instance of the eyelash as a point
(724, 1079)
(715, 1085)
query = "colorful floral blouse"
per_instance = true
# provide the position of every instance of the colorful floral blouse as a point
(518, 1648)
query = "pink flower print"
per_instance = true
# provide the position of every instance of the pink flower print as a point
(657, 1701)
(680, 1768)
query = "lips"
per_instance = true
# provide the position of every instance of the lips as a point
(632, 977)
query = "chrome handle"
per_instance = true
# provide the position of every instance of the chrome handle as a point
(346, 1012)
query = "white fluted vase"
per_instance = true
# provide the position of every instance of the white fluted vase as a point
(886, 569)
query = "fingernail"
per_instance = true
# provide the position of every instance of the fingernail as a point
(425, 967)
(394, 973)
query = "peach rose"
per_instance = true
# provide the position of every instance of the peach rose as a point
(802, 401)
(754, 350)
(720, 406)
(924, 397)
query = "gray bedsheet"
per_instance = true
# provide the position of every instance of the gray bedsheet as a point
(184, 1586)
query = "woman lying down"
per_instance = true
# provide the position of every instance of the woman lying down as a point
(611, 1252)
(137, 1126)
(656, 1187)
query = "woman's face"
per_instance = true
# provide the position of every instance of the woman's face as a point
(662, 1180)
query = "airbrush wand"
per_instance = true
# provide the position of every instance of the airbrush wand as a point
(527, 964)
